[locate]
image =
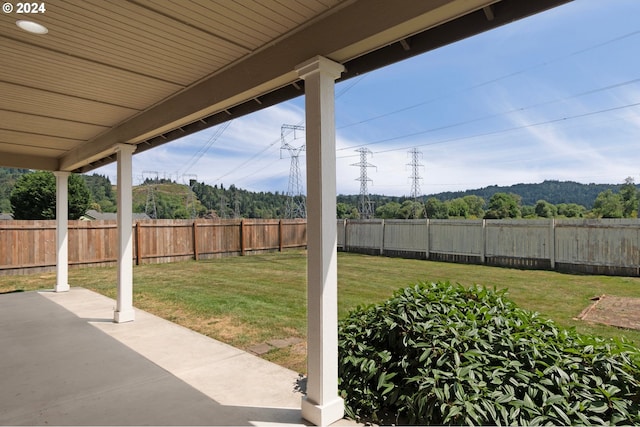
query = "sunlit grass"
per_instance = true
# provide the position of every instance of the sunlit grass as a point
(249, 300)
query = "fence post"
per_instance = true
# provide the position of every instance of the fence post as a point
(483, 246)
(426, 244)
(138, 250)
(552, 243)
(195, 239)
(382, 238)
(280, 236)
(345, 245)
(242, 231)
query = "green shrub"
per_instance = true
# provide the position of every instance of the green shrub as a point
(438, 353)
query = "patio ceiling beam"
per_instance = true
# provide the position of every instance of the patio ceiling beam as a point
(28, 162)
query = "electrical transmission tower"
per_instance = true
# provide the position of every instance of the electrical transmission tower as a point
(191, 180)
(366, 206)
(150, 179)
(415, 177)
(296, 203)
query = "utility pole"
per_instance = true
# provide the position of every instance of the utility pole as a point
(365, 206)
(296, 203)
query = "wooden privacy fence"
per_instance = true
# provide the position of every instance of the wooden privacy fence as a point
(29, 246)
(604, 246)
(607, 246)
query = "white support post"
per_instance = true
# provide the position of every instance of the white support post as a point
(321, 405)
(62, 231)
(124, 307)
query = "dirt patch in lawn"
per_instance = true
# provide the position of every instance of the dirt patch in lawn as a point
(614, 311)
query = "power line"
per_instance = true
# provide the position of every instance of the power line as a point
(490, 116)
(491, 81)
(219, 130)
(557, 120)
(241, 165)
(271, 144)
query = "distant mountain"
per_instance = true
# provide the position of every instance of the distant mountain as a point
(554, 192)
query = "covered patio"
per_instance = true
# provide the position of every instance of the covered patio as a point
(90, 82)
(69, 364)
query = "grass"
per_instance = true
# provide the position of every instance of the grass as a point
(249, 300)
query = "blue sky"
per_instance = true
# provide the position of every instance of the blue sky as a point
(553, 96)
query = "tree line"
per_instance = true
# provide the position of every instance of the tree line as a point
(608, 204)
(31, 195)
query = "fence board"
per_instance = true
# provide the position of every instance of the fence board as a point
(294, 233)
(456, 237)
(365, 235)
(520, 239)
(605, 246)
(31, 245)
(611, 247)
(406, 238)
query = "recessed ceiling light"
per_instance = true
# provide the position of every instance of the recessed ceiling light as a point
(32, 27)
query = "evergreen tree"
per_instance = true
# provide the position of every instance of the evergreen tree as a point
(102, 194)
(629, 195)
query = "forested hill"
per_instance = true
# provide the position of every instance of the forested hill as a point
(554, 192)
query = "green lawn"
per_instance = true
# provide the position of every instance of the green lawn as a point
(249, 300)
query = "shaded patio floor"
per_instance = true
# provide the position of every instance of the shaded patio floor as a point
(64, 362)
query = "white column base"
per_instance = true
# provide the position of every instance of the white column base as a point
(124, 316)
(61, 288)
(325, 414)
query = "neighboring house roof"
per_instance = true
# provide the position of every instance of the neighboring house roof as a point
(94, 215)
(6, 216)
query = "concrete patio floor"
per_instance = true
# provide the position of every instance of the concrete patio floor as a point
(64, 362)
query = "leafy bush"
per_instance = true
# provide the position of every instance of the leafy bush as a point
(438, 353)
